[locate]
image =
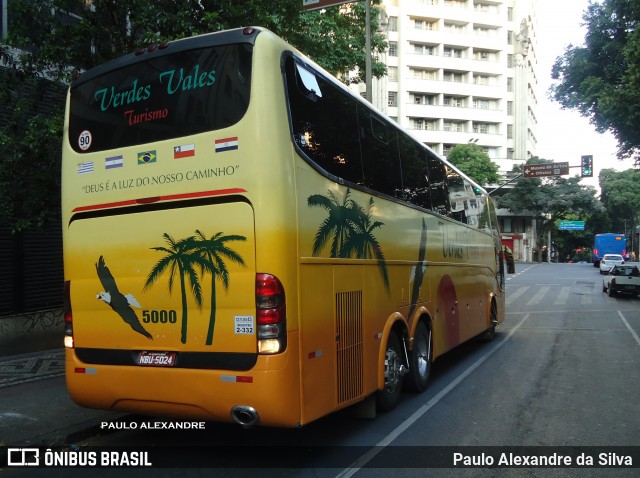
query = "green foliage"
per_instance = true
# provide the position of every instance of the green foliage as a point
(41, 45)
(475, 163)
(621, 196)
(602, 78)
(334, 38)
(30, 149)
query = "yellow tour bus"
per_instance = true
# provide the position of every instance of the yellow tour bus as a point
(245, 240)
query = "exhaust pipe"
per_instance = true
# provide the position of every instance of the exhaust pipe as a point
(245, 415)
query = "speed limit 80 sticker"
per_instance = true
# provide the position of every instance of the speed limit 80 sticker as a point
(244, 324)
(84, 140)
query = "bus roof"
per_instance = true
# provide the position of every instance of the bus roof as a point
(238, 35)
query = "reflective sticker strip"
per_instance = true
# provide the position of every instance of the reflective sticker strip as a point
(236, 378)
(86, 370)
(169, 197)
(315, 354)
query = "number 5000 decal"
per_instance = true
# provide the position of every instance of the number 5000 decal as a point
(159, 316)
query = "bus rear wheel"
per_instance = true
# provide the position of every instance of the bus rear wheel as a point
(394, 369)
(490, 333)
(420, 360)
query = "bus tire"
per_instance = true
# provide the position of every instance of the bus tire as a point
(420, 360)
(490, 333)
(388, 397)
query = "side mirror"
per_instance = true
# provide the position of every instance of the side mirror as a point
(511, 263)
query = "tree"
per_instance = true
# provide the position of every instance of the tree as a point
(550, 199)
(30, 149)
(81, 35)
(621, 198)
(602, 78)
(620, 195)
(475, 163)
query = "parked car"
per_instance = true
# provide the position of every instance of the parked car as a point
(608, 261)
(622, 279)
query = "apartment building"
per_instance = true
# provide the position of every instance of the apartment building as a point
(465, 71)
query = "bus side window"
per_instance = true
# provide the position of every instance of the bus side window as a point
(484, 221)
(324, 124)
(438, 185)
(308, 83)
(457, 195)
(492, 217)
(379, 154)
(415, 178)
(473, 204)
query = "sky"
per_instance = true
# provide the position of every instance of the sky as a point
(563, 135)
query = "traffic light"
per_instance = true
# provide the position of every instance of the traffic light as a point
(586, 166)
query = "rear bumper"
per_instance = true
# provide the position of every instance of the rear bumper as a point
(271, 388)
(626, 289)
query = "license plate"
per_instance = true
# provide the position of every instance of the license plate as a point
(156, 359)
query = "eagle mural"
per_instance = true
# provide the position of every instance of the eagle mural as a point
(120, 303)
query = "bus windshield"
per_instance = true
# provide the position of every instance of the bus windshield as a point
(163, 97)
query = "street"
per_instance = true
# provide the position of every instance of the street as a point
(561, 373)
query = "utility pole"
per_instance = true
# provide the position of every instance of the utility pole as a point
(368, 73)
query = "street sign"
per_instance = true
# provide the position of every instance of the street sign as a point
(547, 169)
(571, 226)
(318, 4)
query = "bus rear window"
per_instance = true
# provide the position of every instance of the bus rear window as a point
(164, 97)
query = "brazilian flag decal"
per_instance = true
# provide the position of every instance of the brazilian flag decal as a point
(147, 157)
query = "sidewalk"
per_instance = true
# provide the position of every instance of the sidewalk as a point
(35, 408)
(39, 411)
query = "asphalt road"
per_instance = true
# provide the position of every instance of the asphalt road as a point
(561, 373)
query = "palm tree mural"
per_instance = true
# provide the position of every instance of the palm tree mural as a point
(418, 271)
(213, 250)
(337, 224)
(350, 228)
(181, 260)
(362, 243)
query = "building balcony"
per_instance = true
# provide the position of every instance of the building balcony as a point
(453, 112)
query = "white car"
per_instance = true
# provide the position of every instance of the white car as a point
(622, 280)
(610, 260)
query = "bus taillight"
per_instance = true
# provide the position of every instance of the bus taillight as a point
(271, 314)
(68, 316)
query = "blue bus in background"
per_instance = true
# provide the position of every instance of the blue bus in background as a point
(608, 243)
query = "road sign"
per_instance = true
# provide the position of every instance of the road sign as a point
(547, 169)
(571, 225)
(317, 4)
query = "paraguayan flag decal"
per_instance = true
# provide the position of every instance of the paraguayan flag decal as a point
(226, 144)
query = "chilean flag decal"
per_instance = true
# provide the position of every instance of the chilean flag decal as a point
(184, 151)
(226, 144)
